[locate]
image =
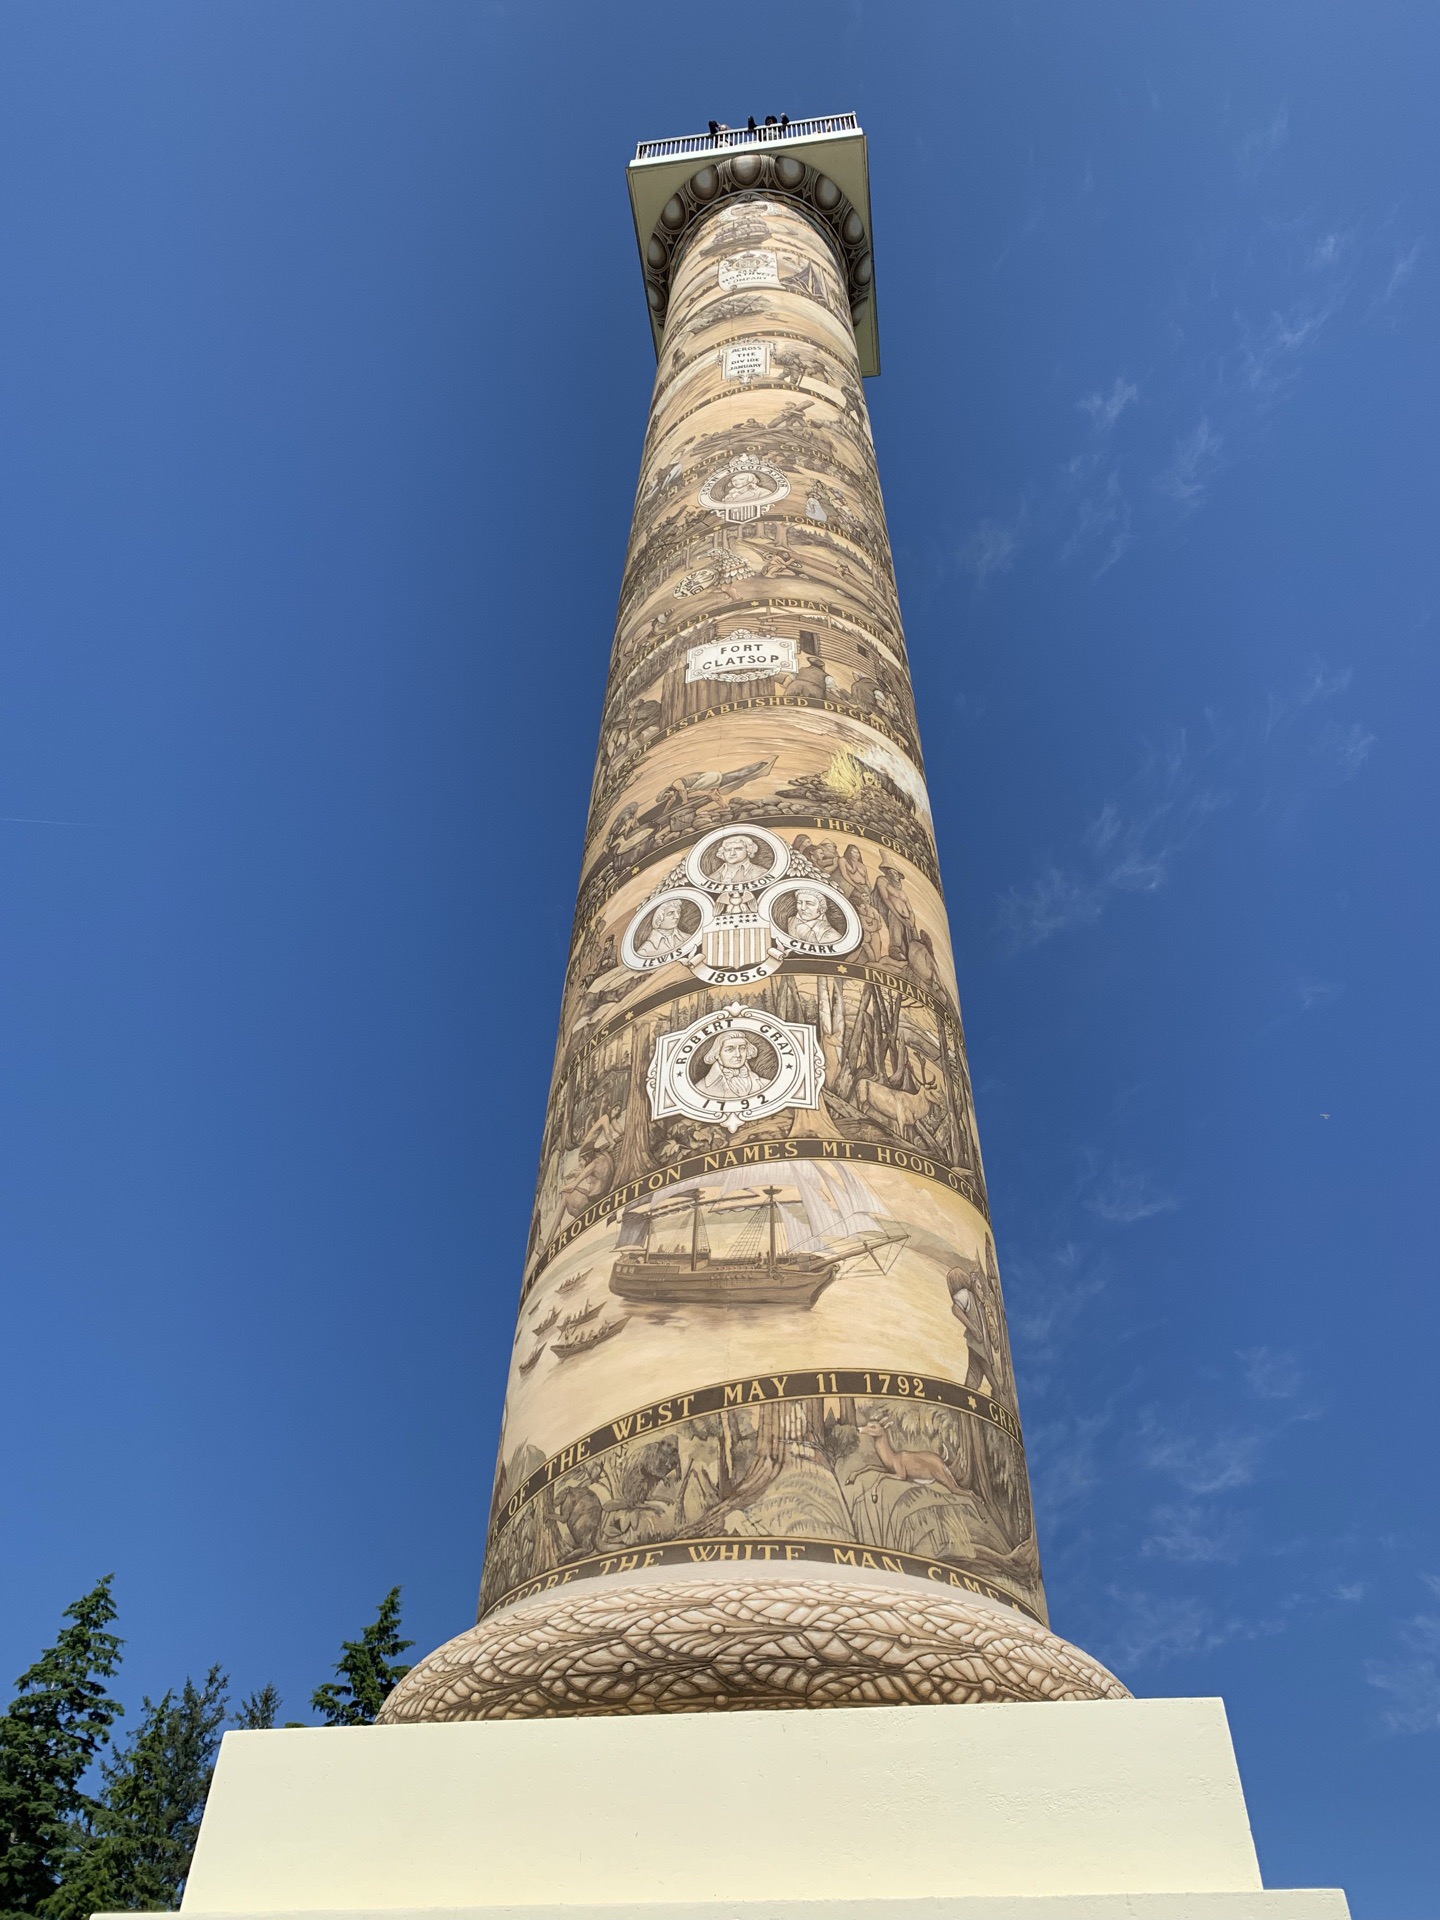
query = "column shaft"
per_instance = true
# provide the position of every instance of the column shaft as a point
(761, 1367)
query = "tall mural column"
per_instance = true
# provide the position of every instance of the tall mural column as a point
(761, 1445)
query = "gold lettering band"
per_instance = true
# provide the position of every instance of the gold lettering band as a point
(762, 1153)
(813, 1383)
(784, 1550)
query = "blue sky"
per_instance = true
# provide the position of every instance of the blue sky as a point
(322, 336)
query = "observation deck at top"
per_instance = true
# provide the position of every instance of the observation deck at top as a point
(820, 163)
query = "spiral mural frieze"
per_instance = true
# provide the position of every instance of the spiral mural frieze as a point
(761, 1329)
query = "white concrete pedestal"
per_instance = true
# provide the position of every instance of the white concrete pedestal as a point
(1084, 1810)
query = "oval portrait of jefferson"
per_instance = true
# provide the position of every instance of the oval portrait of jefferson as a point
(740, 856)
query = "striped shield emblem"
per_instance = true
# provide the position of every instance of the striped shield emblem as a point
(731, 944)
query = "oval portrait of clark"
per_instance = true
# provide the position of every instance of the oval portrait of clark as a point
(809, 918)
(670, 925)
(738, 860)
(736, 1065)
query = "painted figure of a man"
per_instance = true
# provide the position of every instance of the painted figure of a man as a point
(731, 1075)
(666, 935)
(735, 863)
(810, 923)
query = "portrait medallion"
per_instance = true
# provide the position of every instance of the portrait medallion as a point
(743, 488)
(734, 1066)
(741, 904)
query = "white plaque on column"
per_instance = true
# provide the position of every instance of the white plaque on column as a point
(747, 360)
(741, 655)
(753, 268)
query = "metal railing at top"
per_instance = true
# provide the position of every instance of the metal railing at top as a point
(729, 138)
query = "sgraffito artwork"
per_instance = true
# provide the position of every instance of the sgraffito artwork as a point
(760, 1290)
(776, 655)
(829, 895)
(819, 772)
(761, 1321)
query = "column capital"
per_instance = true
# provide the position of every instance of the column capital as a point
(820, 165)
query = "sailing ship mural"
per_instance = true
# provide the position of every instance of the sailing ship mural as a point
(749, 1246)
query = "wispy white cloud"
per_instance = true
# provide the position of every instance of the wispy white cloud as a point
(1205, 1463)
(1105, 409)
(1046, 1298)
(1270, 1375)
(1310, 994)
(1124, 1194)
(1064, 1463)
(1029, 227)
(1119, 543)
(1103, 523)
(1305, 994)
(1192, 466)
(1134, 846)
(1323, 683)
(1343, 748)
(1103, 515)
(1269, 357)
(1054, 902)
(1329, 250)
(1259, 299)
(1194, 1535)
(1127, 848)
(1320, 683)
(1401, 272)
(1410, 1678)
(1152, 1627)
(1257, 145)
(992, 546)
(1131, 844)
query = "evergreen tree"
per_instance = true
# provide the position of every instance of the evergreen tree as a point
(365, 1669)
(50, 1734)
(258, 1710)
(135, 1849)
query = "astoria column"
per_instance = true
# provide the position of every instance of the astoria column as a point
(761, 1445)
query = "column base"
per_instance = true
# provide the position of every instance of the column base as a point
(690, 1646)
(1083, 1810)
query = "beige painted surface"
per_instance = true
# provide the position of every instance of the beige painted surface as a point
(1292, 1903)
(761, 1299)
(891, 1804)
